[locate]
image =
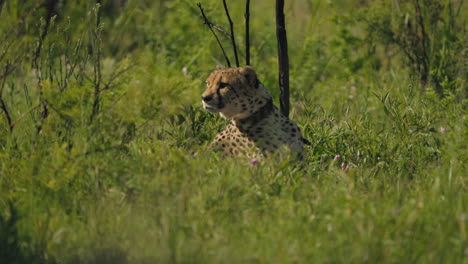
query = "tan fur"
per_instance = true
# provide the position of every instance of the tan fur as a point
(257, 126)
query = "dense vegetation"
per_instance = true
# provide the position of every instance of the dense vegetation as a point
(102, 137)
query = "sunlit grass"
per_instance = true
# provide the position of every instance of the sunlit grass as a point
(384, 180)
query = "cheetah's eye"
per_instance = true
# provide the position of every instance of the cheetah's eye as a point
(222, 85)
(207, 83)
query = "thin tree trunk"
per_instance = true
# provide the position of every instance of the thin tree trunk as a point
(283, 59)
(247, 32)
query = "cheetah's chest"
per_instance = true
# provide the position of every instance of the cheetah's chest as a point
(266, 135)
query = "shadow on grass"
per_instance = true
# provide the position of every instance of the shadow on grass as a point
(104, 256)
(11, 251)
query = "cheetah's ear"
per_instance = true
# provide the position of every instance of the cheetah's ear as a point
(251, 76)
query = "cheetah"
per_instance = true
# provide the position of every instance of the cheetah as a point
(257, 127)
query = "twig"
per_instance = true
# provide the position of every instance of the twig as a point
(114, 102)
(233, 39)
(10, 66)
(2, 102)
(283, 59)
(247, 33)
(50, 14)
(210, 26)
(116, 75)
(7, 114)
(73, 65)
(97, 63)
(217, 27)
(62, 116)
(422, 43)
(220, 29)
(399, 42)
(7, 47)
(24, 114)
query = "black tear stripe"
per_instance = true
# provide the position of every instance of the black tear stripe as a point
(220, 99)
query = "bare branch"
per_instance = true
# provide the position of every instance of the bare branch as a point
(9, 68)
(115, 75)
(97, 62)
(24, 115)
(7, 114)
(2, 102)
(422, 45)
(247, 33)
(233, 39)
(60, 114)
(7, 47)
(220, 29)
(51, 12)
(210, 26)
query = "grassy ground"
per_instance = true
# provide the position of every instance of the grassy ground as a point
(129, 181)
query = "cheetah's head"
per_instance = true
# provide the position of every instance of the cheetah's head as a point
(234, 92)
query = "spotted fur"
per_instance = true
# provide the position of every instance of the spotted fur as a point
(257, 127)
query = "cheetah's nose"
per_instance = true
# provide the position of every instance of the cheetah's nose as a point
(207, 98)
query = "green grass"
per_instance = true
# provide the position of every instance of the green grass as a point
(136, 184)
